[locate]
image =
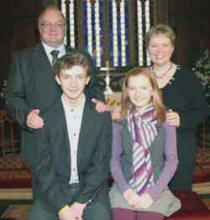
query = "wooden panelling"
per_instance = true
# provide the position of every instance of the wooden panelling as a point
(191, 21)
(18, 30)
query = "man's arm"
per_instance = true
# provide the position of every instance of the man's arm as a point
(16, 104)
(15, 93)
(97, 172)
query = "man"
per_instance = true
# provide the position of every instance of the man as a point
(73, 150)
(31, 85)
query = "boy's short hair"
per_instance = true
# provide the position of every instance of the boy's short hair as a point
(69, 60)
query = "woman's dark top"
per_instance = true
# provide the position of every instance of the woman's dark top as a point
(184, 95)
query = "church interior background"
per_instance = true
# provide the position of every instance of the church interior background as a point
(113, 32)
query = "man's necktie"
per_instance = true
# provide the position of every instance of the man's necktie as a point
(54, 54)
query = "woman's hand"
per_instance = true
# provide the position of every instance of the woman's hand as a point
(116, 113)
(172, 118)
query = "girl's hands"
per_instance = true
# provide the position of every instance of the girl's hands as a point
(139, 202)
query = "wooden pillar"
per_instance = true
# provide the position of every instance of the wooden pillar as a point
(160, 11)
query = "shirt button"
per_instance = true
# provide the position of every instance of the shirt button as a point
(74, 134)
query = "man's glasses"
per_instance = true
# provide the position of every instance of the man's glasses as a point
(50, 25)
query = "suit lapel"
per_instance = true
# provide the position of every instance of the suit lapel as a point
(41, 58)
(84, 134)
(61, 120)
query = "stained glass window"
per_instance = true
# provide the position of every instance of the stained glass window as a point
(112, 31)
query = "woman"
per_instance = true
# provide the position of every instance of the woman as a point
(184, 98)
(144, 156)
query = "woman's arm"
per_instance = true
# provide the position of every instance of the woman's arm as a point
(198, 109)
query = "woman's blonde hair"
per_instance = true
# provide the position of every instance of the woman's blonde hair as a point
(161, 29)
(156, 97)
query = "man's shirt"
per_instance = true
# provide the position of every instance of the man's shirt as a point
(48, 49)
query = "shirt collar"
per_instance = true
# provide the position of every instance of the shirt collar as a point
(48, 49)
(79, 108)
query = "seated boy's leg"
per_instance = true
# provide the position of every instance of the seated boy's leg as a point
(97, 211)
(38, 213)
(99, 208)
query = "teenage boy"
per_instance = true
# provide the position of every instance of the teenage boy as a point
(73, 150)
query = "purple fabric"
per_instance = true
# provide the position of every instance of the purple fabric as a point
(116, 170)
(168, 170)
(126, 214)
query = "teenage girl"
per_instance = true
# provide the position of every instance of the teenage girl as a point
(144, 154)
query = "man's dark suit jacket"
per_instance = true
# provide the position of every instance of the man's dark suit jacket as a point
(31, 85)
(53, 162)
